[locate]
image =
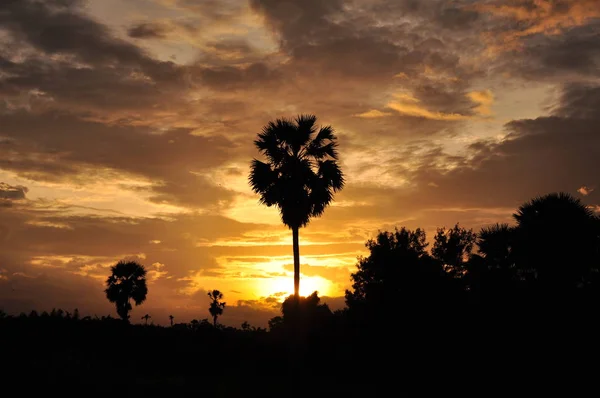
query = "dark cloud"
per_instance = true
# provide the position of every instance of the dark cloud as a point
(149, 30)
(76, 62)
(560, 152)
(9, 192)
(574, 55)
(364, 43)
(234, 77)
(61, 146)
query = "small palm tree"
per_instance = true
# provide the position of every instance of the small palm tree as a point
(127, 282)
(171, 317)
(216, 306)
(300, 176)
(495, 244)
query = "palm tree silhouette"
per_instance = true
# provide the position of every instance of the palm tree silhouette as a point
(171, 317)
(146, 317)
(300, 176)
(127, 282)
(216, 306)
(557, 242)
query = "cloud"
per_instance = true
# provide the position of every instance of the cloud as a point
(60, 147)
(149, 30)
(585, 191)
(8, 192)
(485, 99)
(539, 17)
(156, 272)
(373, 114)
(414, 110)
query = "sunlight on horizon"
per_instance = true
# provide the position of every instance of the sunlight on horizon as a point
(283, 286)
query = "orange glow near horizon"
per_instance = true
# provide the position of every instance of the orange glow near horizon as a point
(285, 284)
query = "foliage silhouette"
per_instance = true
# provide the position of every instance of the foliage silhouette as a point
(127, 282)
(216, 305)
(492, 274)
(300, 175)
(305, 310)
(495, 244)
(145, 318)
(557, 244)
(526, 285)
(452, 247)
(398, 273)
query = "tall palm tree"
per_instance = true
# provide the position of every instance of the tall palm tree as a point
(127, 282)
(216, 305)
(300, 175)
(146, 317)
(171, 317)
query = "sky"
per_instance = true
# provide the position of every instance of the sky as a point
(127, 128)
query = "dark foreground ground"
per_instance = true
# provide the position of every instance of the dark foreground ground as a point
(483, 356)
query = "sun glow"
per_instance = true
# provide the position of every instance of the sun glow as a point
(283, 286)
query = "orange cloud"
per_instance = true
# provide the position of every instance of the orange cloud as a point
(407, 104)
(485, 99)
(585, 191)
(537, 17)
(372, 114)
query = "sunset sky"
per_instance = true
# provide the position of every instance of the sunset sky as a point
(127, 128)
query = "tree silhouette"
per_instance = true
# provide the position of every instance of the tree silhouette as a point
(305, 311)
(300, 176)
(171, 317)
(495, 243)
(216, 305)
(275, 323)
(146, 317)
(127, 282)
(557, 243)
(397, 272)
(492, 273)
(452, 247)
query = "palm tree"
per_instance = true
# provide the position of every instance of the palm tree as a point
(216, 306)
(492, 273)
(171, 317)
(557, 242)
(146, 317)
(300, 176)
(127, 282)
(495, 244)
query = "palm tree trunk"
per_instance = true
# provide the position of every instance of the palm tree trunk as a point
(296, 262)
(215, 321)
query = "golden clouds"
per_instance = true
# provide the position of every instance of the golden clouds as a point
(411, 109)
(407, 105)
(372, 114)
(157, 271)
(536, 17)
(485, 99)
